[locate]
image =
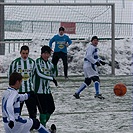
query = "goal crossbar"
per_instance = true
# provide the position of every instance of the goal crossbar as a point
(56, 4)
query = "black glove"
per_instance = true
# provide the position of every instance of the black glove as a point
(31, 94)
(98, 64)
(11, 124)
(102, 62)
(55, 82)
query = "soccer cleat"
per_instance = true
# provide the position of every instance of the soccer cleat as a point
(53, 128)
(99, 96)
(76, 96)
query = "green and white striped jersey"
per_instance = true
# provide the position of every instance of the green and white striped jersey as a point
(43, 75)
(26, 68)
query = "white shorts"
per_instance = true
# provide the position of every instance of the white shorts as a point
(90, 70)
(19, 127)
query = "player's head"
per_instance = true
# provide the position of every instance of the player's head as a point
(15, 80)
(24, 52)
(94, 40)
(61, 30)
(45, 52)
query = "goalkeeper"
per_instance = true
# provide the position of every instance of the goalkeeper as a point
(91, 61)
(62, 41)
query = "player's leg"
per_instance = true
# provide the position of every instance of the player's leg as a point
(31, 105)
(65, 64)
(39, 127)
(42, 109)
(55, 60)
(96, 81)
(46, 107)
(86, 83)
(51, 109)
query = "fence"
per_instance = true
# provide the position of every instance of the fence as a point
(91, 28)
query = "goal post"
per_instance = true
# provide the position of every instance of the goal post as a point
(44, 19)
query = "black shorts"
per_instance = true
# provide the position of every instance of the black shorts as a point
(45, 103)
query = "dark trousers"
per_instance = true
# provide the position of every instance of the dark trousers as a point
(30, 104)
(45, 103)
(63, 56)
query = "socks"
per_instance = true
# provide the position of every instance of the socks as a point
(81, 88)
(44, 118)
(97, 87)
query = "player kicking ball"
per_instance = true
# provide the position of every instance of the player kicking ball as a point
(13, 122)
(91, 62)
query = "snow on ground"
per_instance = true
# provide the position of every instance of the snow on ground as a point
(88, 115)
(123, 56)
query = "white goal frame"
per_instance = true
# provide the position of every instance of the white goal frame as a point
(79, 4)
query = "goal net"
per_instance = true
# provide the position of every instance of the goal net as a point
(39, 22)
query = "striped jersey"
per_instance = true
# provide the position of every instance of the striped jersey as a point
(26, 68)
(43, 75)
(11, 105)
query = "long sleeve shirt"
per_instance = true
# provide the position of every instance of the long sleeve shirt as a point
(43, 75)
(61, 43)
(11, 105)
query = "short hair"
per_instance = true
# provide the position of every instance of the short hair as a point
(14, 77)
(61, 29)
(94, 37)
(24, 47)
(46, 48)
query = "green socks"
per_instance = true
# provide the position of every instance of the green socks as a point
(44, 118)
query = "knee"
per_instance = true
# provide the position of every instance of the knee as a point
(95, 78)
(87, 81)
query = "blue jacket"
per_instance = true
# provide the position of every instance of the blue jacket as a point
(61, 43)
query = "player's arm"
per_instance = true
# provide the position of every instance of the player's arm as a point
(11, 69)
(69, 42)
(51, 41)
(39, 71)
(23, 97)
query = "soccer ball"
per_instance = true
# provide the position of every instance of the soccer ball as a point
(120, 89)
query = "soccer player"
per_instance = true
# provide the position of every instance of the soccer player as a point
(43, 75)
(13, 122)
(91, 61)
(62, 41)
(25, 66)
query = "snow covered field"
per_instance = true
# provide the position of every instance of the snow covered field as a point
(88, 115)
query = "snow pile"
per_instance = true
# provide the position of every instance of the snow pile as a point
(76, 52)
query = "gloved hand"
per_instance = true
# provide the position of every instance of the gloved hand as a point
(11, 124)
(31, 94)
(102, 62)
(97, 63)
(55, 82)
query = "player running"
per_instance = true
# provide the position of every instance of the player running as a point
(91, 61)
